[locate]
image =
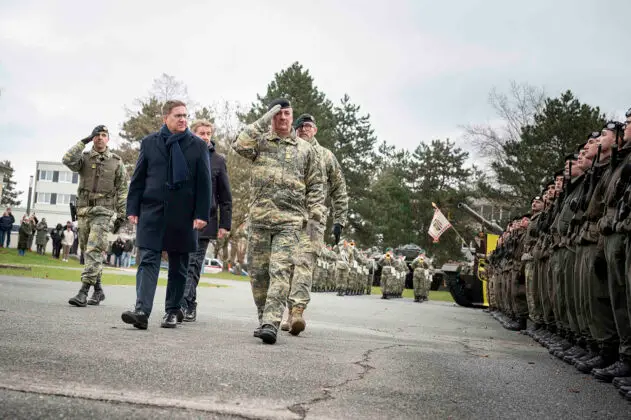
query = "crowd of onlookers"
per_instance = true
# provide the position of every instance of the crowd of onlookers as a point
(65, 239)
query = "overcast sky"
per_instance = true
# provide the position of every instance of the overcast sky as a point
(421, 68)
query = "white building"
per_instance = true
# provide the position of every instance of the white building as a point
(54, 189)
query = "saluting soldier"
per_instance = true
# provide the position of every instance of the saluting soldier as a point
(101, 206)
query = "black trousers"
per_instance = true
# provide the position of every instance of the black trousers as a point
(147, 280)
(195, 264)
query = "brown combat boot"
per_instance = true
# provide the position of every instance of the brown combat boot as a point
(287, 320)
(298, 323)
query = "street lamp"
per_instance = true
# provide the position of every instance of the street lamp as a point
(30, 192)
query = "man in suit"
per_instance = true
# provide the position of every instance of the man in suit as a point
(169, 199)
(222, 201)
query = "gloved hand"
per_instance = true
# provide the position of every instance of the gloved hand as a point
(95, 132)
(337, 232)
(118, 224)
(312, 229)
(264, 121)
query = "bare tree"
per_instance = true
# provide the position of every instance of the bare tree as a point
(167, 87)
(516, 108)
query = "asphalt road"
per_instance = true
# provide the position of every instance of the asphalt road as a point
(360, 358)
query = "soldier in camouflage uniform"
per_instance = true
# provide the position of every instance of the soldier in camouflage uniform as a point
(420, 282)
(287, 196)
(101, 206)
(388, 274)
(530, 264)
(305, 257)
(342, 266)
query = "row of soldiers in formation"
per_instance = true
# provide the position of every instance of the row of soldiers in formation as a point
(565, 266)
(348, 270)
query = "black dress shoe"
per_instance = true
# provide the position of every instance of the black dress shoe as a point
(138, 319)
(169, 321)
(618, 369)
(624, 390)
(268, 334)
(179, 316)
(191, 316)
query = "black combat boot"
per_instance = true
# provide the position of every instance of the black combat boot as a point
(97, 295)
(169, 320)
(620, 369)
(81, 298)
(622, 381)
(268, 334)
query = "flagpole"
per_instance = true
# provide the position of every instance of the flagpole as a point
(453, 227)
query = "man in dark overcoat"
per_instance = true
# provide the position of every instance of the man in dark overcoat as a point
(169, 199)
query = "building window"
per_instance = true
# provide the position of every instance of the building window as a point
(45, 175)
(63, 198)
(44, 198)
(65, 177)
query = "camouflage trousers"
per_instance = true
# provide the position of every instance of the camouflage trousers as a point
(304, 261)
(270, 270)
(95, 225)
(388, 280)
(419, 283)
(616, 255)
(341, 278)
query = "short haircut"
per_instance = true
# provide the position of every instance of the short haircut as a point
(169, 105)
(202, 123)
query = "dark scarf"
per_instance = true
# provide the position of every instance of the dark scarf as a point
(178, 169)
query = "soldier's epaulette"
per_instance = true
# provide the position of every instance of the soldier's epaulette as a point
(115, 156)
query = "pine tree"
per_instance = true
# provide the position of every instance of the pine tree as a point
(296, 84)
(557, 130)
(354, 145)
(9, 194)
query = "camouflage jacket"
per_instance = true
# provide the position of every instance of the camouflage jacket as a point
(419, 263)
(286, 183)
(75, 159)
(334, 183)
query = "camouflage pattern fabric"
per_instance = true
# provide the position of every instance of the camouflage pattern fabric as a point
(96, 222)
(304, 259)
(419, 281)
(270, 270)
(286, 181)
(334, 183)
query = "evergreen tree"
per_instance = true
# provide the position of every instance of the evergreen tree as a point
(354, 144)
(557, 130)
(9, 194)
(296, 84)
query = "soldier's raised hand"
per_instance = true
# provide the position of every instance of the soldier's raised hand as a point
(267, 117)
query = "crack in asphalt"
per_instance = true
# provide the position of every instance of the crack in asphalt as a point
(302, 408)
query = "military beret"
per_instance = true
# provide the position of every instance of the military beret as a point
(613, 126)
(571, 156)
(593, 135)
(536, 198)
(303, 119)
(558, 173)
(284, 103)
(581, 146)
